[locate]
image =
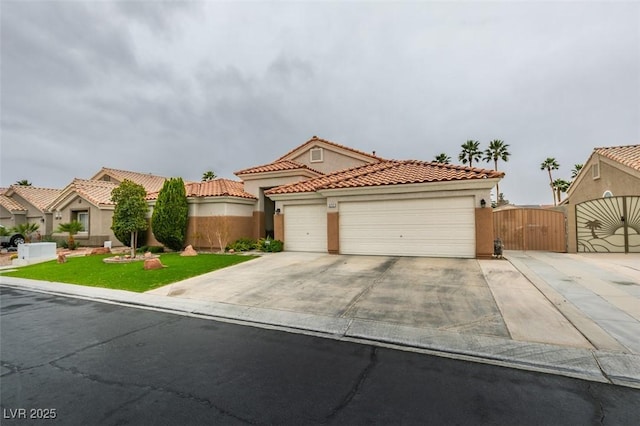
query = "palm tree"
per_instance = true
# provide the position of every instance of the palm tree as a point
(593, 225)
(72, 228)
(208, 175)
(23, 182)
(576, 170)
(26, 229)
(443, 158)
(497, 151)
(550, 164)
(560, 185)
(470, 152)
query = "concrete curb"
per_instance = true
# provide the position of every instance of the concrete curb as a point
(594, 365)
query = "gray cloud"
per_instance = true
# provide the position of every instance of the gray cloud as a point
(177, 88)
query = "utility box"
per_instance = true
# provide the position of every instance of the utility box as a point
(34, 253)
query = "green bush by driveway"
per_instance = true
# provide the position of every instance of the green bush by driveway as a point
(92, 271)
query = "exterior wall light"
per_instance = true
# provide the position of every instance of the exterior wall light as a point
(483, 203)
(277, 211)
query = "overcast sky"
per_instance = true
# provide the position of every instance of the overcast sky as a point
(176, 89)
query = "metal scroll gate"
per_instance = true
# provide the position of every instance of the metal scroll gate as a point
(531, 229)
(609, 225)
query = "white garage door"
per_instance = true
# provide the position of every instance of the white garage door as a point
(439, 227)
(305, 228)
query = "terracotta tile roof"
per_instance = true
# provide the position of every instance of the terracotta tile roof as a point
(212, 188)
(277, 166)
(97, 192)
(628, 155)
(218, 188)
(316, 139)
(388, 173)
(11, 204)
(39, 197)
(151, 183)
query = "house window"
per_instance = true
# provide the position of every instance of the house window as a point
(316, 155)
(595, 171)
(607, 194)
(83, 218)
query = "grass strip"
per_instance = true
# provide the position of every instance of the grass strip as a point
(93, 272)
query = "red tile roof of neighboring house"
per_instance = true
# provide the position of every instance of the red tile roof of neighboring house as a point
(95, 191)
(11, 204)
(277, 166)
(218, 188)
(151, 183)
(316, 139)
(212, 188)
(38, 197)
(628, 155)
(388, 173)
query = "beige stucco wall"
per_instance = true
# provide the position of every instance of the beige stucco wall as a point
(332, 161)
(99, 222)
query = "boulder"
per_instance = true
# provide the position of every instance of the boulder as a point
(101, 250)
(150, 264)
(189, 251)
(148, 255)
(62, 258)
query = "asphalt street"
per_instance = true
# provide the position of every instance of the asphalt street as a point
(86, 362)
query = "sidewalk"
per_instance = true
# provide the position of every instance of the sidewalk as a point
(546, 330)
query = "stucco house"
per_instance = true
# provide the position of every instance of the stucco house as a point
(27, 204)
(325, 197)
(89, 202)
(603, 202)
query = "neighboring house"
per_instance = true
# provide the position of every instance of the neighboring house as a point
(603, 202)
(27, 204)
(89, 202)
(219, 210)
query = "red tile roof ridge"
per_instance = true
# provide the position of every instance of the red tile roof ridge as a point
(337, 145)
(278, 165)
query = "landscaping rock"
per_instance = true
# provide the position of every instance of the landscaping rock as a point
(148, 255)
(189, 251)
(62, 258)
(100, 250)
(150, 264)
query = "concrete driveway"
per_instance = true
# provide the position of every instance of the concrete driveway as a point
(467, 296)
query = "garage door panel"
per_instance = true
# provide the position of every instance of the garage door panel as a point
(421, 227)
(305, 228)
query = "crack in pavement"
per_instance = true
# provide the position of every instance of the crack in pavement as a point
(364, 375)
(151, 388)
(597, 401)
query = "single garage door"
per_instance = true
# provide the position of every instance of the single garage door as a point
(437, 227)
(305, 227)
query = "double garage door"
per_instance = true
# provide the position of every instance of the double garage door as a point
(437, 227)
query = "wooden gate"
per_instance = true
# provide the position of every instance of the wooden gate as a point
(609, 225)
(531, 229)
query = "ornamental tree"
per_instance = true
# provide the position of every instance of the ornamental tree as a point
(171, 214)
(130, 213)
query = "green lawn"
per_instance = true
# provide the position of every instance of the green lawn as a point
(92, 271)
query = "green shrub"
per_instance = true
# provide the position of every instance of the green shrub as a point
(242, 244)
(171, 214)
(269, 245)
(151, 249)
(70, 245)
